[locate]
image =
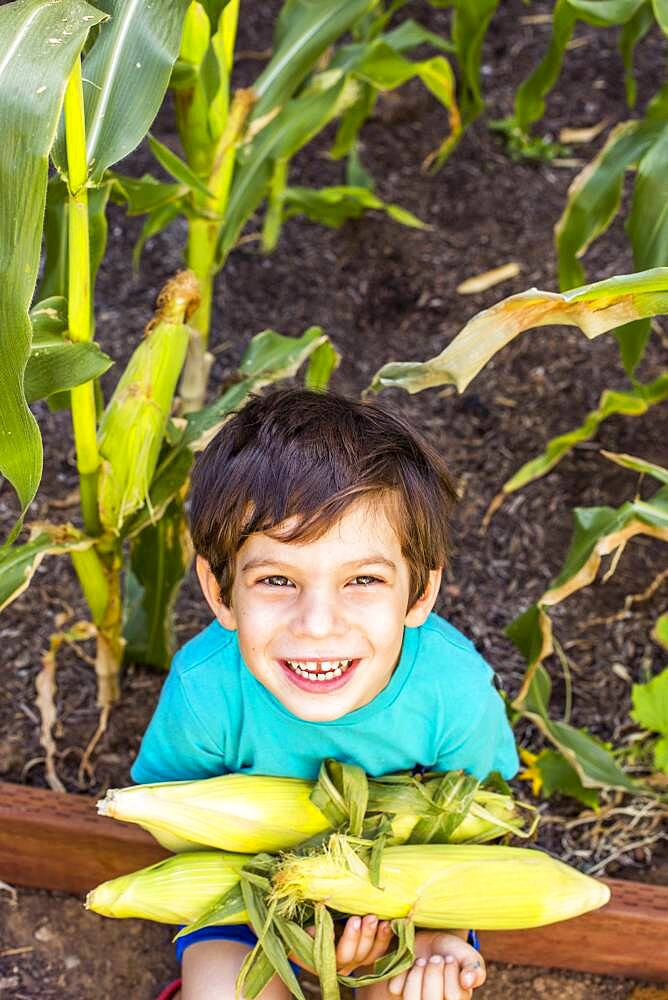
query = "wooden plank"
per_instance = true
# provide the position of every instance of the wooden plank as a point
(50, 840)
(58, 841)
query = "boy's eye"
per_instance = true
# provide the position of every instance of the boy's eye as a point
(276, 581)
(366, 580)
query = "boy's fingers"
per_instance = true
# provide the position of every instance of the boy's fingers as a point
(396, 984)
(452, 988)
(413, 984)
(473, 974)
(433, 986)
(367, 937)
(380, 943)
(346, 949)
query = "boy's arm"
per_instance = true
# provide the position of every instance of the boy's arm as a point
(177, 744)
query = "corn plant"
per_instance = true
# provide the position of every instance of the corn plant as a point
(133, 460)
(330, 61)
(638, 144)
(598, 532)
(595, 309)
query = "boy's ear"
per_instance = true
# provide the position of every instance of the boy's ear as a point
(211, 591)
(418, 613)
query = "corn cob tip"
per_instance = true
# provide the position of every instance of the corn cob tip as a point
(104, 806)
(177, 300)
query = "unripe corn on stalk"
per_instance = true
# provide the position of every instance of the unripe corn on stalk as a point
(234, 812)
(442, 885)
(133, 424)
(174, 891)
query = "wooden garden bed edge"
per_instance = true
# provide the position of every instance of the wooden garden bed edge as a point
(57, 841)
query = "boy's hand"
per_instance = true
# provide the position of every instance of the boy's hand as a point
(364, 939)
(445, 968)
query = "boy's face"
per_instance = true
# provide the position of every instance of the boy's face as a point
(320, 624)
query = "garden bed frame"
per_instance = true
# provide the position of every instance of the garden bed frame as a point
(57, 841)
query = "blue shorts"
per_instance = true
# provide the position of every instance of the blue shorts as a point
(222, 932)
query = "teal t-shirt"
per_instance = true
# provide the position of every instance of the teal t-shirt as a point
(440, 709)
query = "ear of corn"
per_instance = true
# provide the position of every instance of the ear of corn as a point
(174, 891)
(253, 813)
(443, 885)
(133, 424)
(234, 812)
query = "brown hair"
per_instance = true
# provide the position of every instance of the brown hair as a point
(312, 454)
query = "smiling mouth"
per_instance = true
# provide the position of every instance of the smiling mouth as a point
(319, 670)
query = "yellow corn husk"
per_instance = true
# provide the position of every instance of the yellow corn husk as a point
(443, 885)
(133, 424)
(174, 891)
(235, 812)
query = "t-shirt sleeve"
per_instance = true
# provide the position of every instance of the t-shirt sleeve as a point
(177, 745)
(484, 743)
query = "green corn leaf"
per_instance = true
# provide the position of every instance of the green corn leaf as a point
(18, 563)
(409, 34)
(469, 27)
(660, 630)
(291, 129)
(595, 309)
(175, 166)
(49, 316)
(155, 222)
(352, 120)
(126, 71)
(260, 918)
(54, 274)
(356, 173)
(159, 559)
(168, 481)
(631, 33)
(647, 225)
(634, 403)
(144, 194)
(304, 31)
(321, 365)
(39, 42)
(333, 206)
(660, 8)
(530, 97)
(606, 13)
(638, 465)
(57, 365)
(324, 953)
(229, 908)
(598, 531)
(214, 9)
(650, 704)
(54, 278)
(557, 775)
(593, 763)
(595, 194)
(385, 69)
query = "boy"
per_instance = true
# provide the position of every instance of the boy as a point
(320, 526)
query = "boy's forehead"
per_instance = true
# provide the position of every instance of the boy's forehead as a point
(364, 528)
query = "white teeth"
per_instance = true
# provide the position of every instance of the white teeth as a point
(326, 670)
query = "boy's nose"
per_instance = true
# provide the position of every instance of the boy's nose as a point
(317, 616)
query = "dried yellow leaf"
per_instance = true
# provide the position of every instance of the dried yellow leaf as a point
(582, 135)
(481, 282)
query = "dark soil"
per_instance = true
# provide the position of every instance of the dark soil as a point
(381, 292)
